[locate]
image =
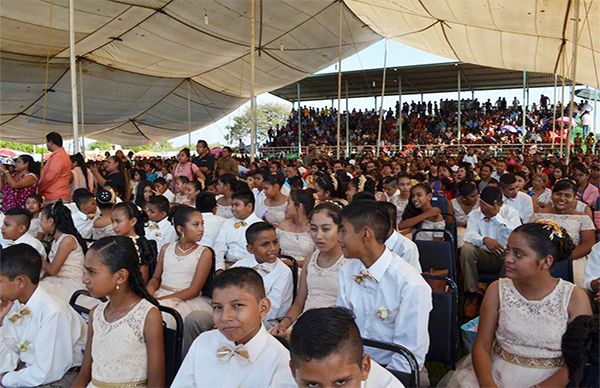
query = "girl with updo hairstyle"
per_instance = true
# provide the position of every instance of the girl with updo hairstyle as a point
(293, 231)
(358, 185)
(524, 315)
(105, 200)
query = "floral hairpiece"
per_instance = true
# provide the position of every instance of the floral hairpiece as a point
(335, 203)
(361, 183)
(334, 182)
(137, 248)
(551, 226)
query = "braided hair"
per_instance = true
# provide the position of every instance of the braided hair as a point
(61, 215)
(119, 252)
(580, 348)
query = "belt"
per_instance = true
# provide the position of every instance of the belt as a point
(529, 362)
(128, 384)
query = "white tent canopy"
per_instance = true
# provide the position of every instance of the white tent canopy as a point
(141, 58)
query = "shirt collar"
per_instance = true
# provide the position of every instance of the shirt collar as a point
(37, 299)
(82, 215)
(23, 239)
(378, 268)
(163, 223)
(391, 241)
(251, 218)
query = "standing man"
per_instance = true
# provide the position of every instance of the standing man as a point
(205, 160)
(226, 163)
(54, 182)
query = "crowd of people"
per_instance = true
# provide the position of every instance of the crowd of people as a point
(427, 123)
(279, 267)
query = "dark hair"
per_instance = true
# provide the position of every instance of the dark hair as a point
(22, 216)
(581, 167)
(203, 142)
(542, 238)
(186, 151)
(32, 165)
(410, 210)
(389, 209)
(304, 198)
(118, 252)
(21, 259)
(147, 248)
(125, 191)
(331, 209)
(368, 186)
(491, 194)
(296, 183)
(139, 193)
(78, 158)
(326, 184)
(105, 199)
(230, 180)
(467, 188)
(363, 196)
(366, 214)
(81, 197)
(581, 351)
(160, 202)
(160, 181)
(206, 202)
(140, 172)
(564, 184)
(507, 179)
(242, 277)
(321, 332)
(228, 149)
(247, 197)
(197, 184)
(182, 215)
(390, 180)
(275, 179)
(37, 197)
(258, 227)
(61, 215)
(55, 138)
(131, 211)
(184, 179)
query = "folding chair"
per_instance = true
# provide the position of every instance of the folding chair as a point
(82, 302)
(210, 281)
(437, 255)
(295, 269)
(563, 269)
(408, 379)
(452, 227)
(443, 323)
(173, 342)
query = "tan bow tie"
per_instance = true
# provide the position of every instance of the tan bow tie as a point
(362, 276)
(262, 267)
(238, 225)
(153, 227)
(91, 216)
(225, 352)
(18, 315)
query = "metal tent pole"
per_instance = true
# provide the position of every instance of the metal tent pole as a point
(73, 70)
(347, 121)
(82, 112)
(339, 91)
(562, 105)
(299, 120)
(400, 112)
(382, 95)
(523, 113)
(459, 123)
(573, 77)
(252, 79)
(189, 113)
(554, 112)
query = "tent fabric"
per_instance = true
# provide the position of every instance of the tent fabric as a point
(140, 56)
(517, 34)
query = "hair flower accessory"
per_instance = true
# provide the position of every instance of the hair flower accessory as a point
(554, 228)
(361, 183)
(334, 182)
(383, 313)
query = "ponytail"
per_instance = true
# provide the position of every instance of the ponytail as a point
(61, 215)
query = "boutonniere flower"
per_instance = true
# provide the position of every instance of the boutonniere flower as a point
(383, 313)
(24, 346)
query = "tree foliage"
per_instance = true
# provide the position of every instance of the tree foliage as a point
(164, 145)
(267, 115)
(21, 147)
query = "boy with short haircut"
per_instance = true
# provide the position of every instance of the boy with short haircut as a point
(206, 203)
(83, 211)
(390, 299)
(161, 188)
(258, 190)
(239, 352)
(41, 337)
(279, 286)
(326, 349)
(230, 245)
(396, 242)
(15, 229)
(159, 228)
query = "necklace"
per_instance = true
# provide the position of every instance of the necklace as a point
(186, 251)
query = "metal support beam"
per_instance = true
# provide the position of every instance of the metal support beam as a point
(252, 79)
(400, 112)
(347, 121)
(73, 71)
(299, 120)
(458, 104)
(573, 78)
(524, 113)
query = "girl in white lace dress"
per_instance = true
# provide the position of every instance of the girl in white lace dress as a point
(64, 268)
(524, 315)
(293, 232)
(420, 214)
(319, 279)
(183, 266)
(125, 335)
(105, 199)
(275, 201)
(226, 186)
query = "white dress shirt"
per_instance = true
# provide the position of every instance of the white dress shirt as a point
(498, 227)
(259, 202)
(230, 245)
(279, 285)
(169, 195)
(49, 341)
(162, 232)
(379, 377)
(83, 223)
(522, 203)
(31, 241)
(592, 268)
(267, 366)
(212, 226)
(393, 306)
(405, 248)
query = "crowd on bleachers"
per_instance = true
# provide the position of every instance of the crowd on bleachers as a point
(427, 123)
(215, 271)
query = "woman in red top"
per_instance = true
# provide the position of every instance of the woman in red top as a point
(20, 185)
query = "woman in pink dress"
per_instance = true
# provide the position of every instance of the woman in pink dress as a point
(185, 167)
(21, 184)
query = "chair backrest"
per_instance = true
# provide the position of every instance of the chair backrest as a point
(210, 281)
(443, 323)
(295, 269)
(451, 226)
(173, 342)
(437, 255)
(82, 302)
(563, 269)
(409, 380)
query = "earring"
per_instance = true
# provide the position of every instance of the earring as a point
(118, 287)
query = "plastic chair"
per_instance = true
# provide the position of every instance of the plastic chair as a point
(408, 379)
(295, 269)
(443, 323)
(209, 285)
(437, 255)
(173, 342)
(563, 269)
(89, 302)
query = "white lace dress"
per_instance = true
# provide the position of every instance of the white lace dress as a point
(275, 214)
(98, 233)
(69, 277)
(519, 340)
(119, 353)
(297, 245)
(224, 211)
(429, 236)
(322, 283)
(178, 273)
(573, 224)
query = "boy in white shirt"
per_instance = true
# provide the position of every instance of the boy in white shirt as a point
(263, 244)
(230, 245)
(159, 228)
(207, 204)
(513, 197)
(396, 242)
(41, 337)
(327, 351)
(161, 188)
(83, 211)
(240, 352)
(15, 229)
(390, 299)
